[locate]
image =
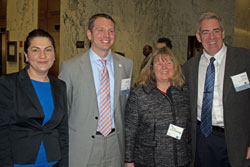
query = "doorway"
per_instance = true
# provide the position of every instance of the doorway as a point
(3, 52)
(194, 47)
(1, 61)
(49, 20)
(3, 6)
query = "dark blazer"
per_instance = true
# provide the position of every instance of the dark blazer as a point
(236, 105)
(21, 117)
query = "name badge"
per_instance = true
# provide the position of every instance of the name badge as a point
(175, 131)
(125, 86)
(240, 82)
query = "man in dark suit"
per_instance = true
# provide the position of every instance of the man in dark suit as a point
(91, 144)
(220, 105)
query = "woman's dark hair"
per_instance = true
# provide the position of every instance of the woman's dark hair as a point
(38, 33)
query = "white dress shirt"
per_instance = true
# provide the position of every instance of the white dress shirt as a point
(219, 64)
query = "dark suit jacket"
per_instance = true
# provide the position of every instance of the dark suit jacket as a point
(21, 117)
(236, 105)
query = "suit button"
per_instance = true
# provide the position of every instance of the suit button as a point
(96, 117)
(93, 136)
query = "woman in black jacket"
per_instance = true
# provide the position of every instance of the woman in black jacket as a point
(157, 115)
(33, 110)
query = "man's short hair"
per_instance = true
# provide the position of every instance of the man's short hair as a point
(209, 15)
(94, 17)
(165, 40)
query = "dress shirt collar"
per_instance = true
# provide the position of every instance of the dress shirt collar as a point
(95, 58)
(218, 56)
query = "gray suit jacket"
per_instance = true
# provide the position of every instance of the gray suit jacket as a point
(236, 105)
(83, 107)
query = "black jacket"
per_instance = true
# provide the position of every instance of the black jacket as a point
(21, 117)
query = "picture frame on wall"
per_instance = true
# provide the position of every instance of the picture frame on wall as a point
(12, 51)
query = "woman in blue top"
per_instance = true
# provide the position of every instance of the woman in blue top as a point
(33, 110)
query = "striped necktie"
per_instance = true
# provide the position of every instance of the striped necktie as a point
(104, 123)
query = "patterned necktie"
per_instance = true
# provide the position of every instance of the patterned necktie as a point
(207, 104)
(104, 123)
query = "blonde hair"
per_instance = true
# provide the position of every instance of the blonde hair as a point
(147, 74)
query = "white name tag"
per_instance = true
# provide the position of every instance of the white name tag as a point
(175, 131)
(240, 82)
(125, 86)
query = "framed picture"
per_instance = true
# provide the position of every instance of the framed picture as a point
(12, 51)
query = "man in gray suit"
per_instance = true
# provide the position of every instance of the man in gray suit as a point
(220, 129)
(91, 145)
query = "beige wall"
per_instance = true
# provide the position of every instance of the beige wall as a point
(21, 19)
(242, 24)
(138, 23)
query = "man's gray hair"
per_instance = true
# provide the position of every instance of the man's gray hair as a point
(209, 15)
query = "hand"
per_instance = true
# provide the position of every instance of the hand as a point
(129, 165)
(248, 153)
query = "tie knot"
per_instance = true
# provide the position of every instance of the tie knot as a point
(212, 60)
(103, 61)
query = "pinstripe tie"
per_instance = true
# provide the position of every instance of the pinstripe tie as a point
(104, 123)
(207, 104)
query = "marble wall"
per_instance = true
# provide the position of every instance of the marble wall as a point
(22, 17)
(139, 23)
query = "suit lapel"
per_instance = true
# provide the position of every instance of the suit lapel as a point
(27, 86)
(87, 72)
(230, 69)
(117, 78)
(56, 94)
(195, 71)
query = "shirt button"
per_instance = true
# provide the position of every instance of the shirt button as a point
(93, 136)
(96, 117)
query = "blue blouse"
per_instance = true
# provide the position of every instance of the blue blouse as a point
(44, 94)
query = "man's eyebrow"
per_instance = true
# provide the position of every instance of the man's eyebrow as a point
(212, 30)
(204, 30)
